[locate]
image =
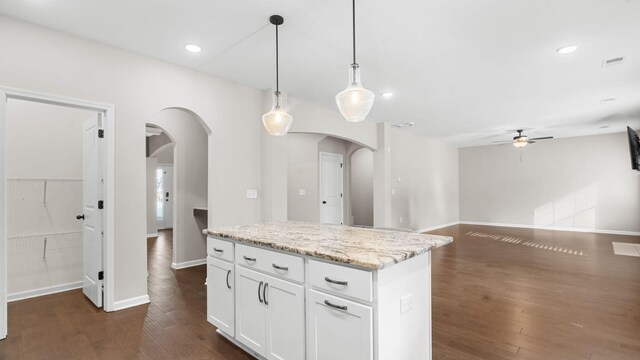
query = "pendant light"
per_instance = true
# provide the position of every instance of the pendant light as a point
(277, 121)
(355, 101)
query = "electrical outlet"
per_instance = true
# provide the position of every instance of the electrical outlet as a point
(406, 303)
(393, 191)
(399, 179)
(401, 219)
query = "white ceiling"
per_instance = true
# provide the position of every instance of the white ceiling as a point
(464, 71)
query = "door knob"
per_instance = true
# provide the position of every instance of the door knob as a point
(324, 202)
(80, 217)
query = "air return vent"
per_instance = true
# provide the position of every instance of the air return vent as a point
(613, 61)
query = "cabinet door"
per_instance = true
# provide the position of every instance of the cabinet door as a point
(250, 310)
(220, 305)
(338, 329)
(285, 320)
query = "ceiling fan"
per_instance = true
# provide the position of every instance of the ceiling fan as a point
(521, 141)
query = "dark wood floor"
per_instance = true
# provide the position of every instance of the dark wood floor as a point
(505, 293)
(498, 293)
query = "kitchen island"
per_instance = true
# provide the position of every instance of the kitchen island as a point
(294, 291)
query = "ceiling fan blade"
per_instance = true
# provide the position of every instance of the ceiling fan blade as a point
(543, 138)
(502, 142)
(530, 142)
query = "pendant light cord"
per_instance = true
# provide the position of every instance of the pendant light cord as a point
(277, 64)
(354, 30)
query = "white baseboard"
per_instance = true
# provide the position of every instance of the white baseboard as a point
(128, 303)
(555, 228)
(152, 235)
(188, 264)
(44, 291)
(437, 227)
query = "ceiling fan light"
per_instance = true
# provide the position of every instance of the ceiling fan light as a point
(355, 102)
(521, 142)
(277, 121)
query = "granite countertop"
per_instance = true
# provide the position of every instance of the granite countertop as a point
(361, 247)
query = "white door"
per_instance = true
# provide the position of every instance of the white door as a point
(3, 229)
(338, 329)
(165, 197)
(285, 320)
(330, 188)
(220, 307)
(250, 311)
(92, 210)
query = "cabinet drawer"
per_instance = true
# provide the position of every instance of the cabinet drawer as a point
(341, 280)
(278, 264)
(220, 249)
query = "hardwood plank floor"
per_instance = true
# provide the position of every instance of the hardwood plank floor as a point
(505, 293)
(498, 293)
(67, 326)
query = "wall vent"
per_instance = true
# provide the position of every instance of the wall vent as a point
(613, 61)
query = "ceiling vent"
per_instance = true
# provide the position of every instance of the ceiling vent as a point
(613, 61)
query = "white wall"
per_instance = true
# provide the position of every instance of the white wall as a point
(424, 174)
(152, 219)
(582, 182)
(190, 182)
(303, 175)
(139, 87)
(362, 187)
(44, 164)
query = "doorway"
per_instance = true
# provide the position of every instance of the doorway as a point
(331, 188)
(164, 197)
(101, 290)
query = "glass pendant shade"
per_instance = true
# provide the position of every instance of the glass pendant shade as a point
(277, 121)
(355, 102)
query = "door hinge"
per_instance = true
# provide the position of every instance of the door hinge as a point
(100, 133)
(101, 275)
(100, 204)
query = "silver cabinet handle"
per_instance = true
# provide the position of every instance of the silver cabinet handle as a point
(337, 282)
(218, 250)
(228, 273)
(339, 307)
(283, 268)
(264, 293)
(248, 258)
(259, 288)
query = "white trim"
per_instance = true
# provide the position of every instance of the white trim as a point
(44, 291)
(436, 227)
(131, 302)
(554, 228)
(188, 264)
(152, 235)
(109, 187)
(3, 220)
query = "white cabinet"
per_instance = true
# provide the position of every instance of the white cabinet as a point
(270, 315)
(338, 329)
(220, 299)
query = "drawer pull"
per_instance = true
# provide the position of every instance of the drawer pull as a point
(218, 250)
(228, 273)
(337, 282)
(260, 288)
(339, 307)
(283, 268)
(248, 258)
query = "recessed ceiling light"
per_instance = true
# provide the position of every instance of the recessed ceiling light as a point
(193, 48)
(387, 94)
(567, 49)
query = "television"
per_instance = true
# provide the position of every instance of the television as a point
(634, 148)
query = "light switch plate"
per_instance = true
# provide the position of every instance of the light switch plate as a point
(252, 194)
(302, 192)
